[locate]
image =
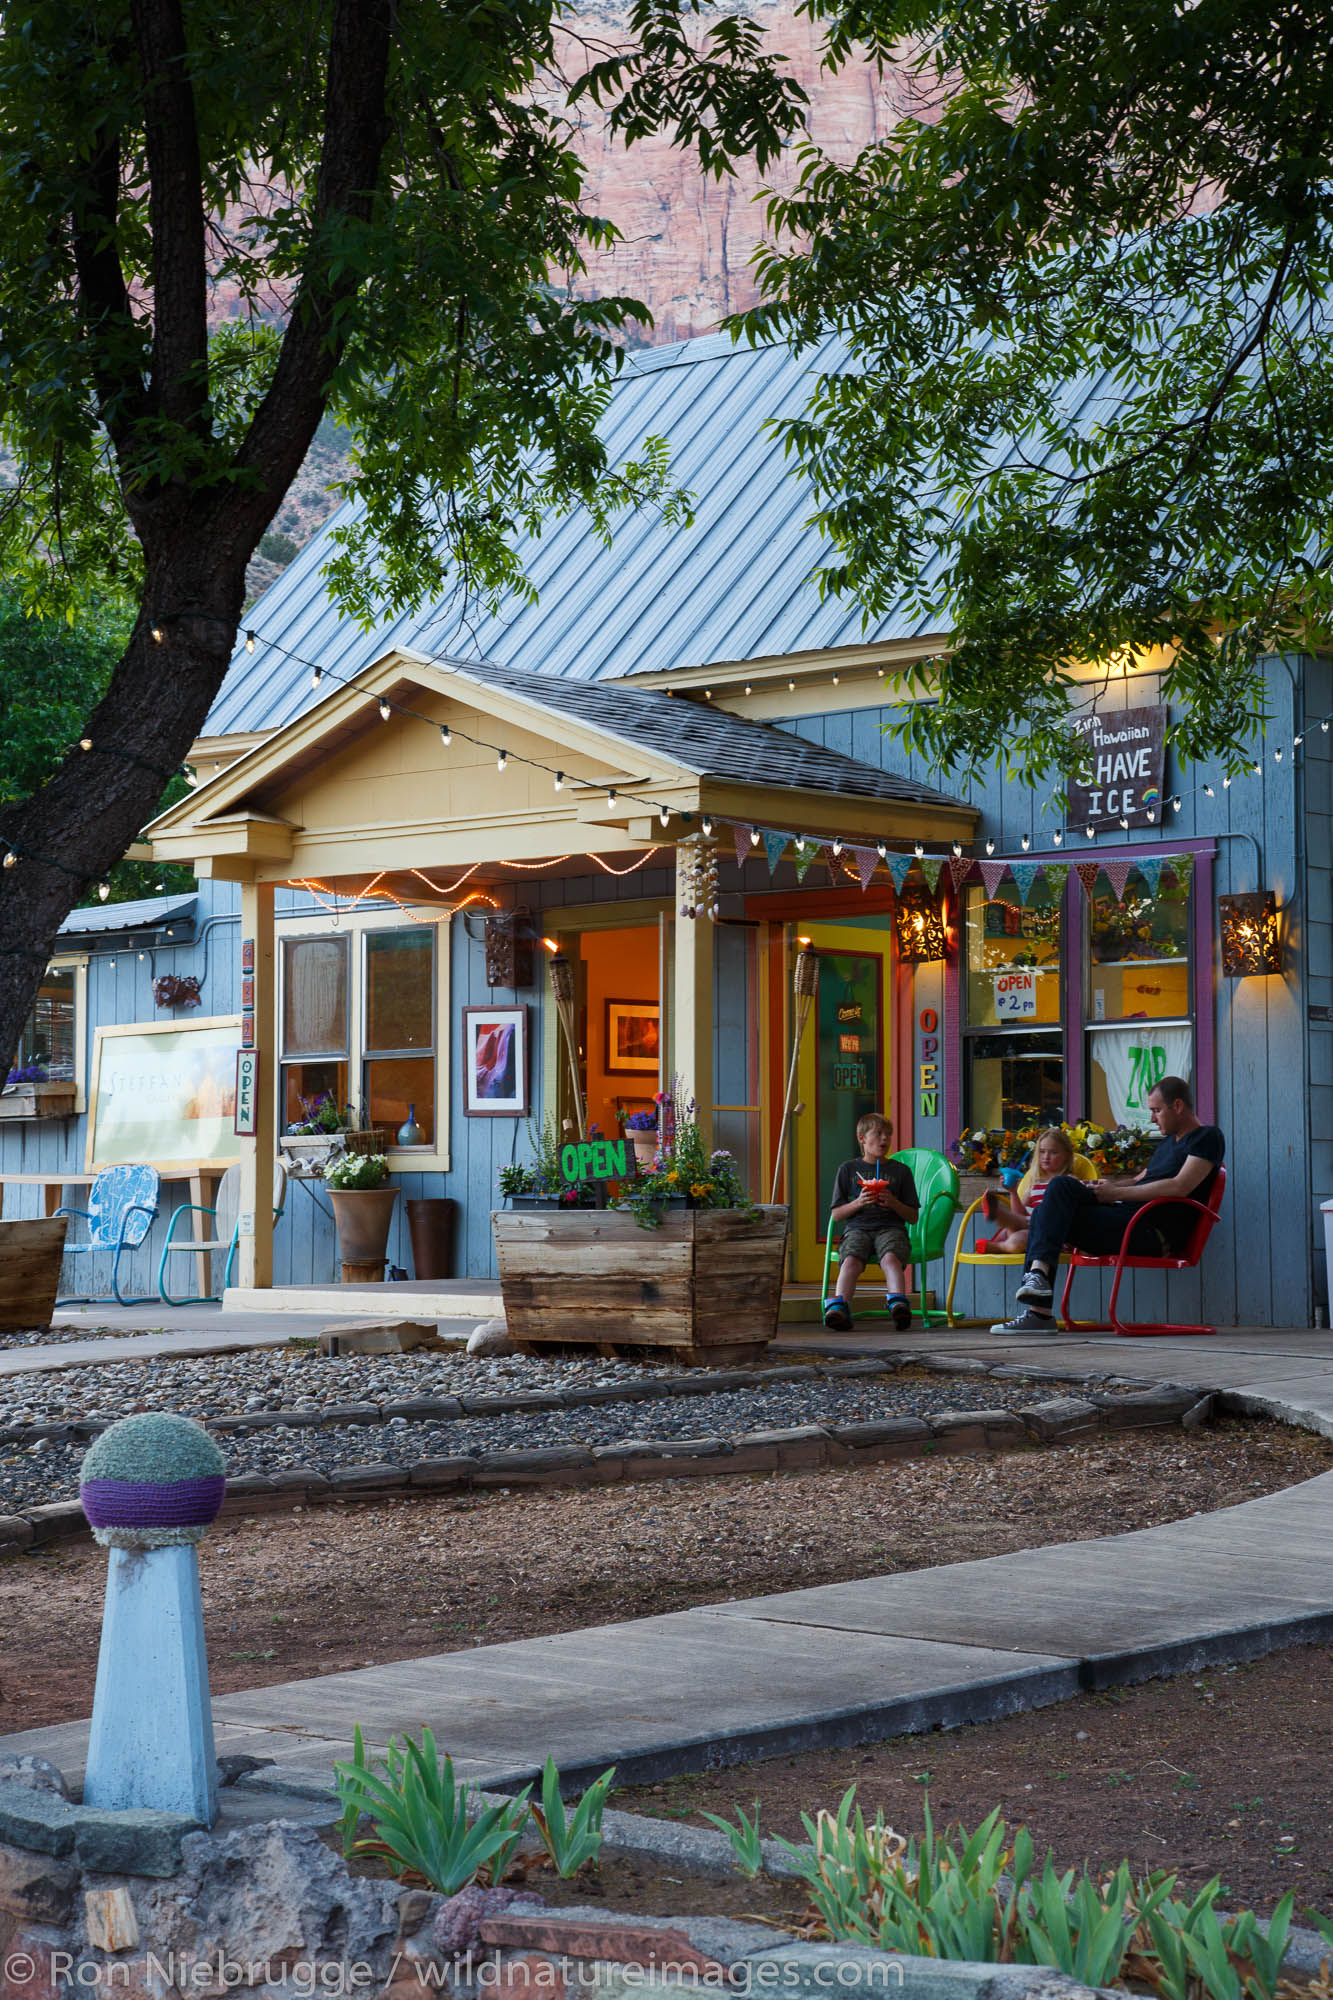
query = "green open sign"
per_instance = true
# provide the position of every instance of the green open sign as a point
(594, 1160)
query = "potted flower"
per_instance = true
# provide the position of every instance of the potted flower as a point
(540, 1183)
(324, 1131)
(642, 1130)
(362, 1212)
(685, 1174)
(28, 1092)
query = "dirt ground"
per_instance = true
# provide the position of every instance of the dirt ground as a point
(1227, 1772)
(292, 1595)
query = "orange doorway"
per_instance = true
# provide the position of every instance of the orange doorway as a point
(620, 1024)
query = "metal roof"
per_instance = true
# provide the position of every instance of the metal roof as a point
(735, 586)
(708, 741)
(148, 913)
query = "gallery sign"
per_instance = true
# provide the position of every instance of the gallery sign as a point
(1121, 773)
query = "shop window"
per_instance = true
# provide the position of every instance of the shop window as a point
(49, 1038)
(1137, 997)
(314, 1024)
(398, 1069)
(1013, 1005)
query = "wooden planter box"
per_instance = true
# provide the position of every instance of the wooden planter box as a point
(30, 1254)
(706, 1285)
(37, 1100)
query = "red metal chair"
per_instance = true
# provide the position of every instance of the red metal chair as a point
(1184, 1260)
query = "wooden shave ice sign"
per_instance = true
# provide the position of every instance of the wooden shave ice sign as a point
(1119, 781)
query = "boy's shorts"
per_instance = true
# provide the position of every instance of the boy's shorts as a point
(872, 1246)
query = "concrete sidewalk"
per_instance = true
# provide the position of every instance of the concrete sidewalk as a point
(852, 1662)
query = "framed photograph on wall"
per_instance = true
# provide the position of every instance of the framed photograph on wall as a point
(633, 1037)
(495, 1062)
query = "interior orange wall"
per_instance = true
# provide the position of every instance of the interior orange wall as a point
(618, 965)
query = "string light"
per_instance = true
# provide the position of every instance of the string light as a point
(1176, 804)
(837, 844)
(1027, 842)
(881, 850)
(560, 781)
(754, 836)
(1091, 835)
(707, 826)
(85, 743)
(1058, 838)
(610, 795)
(385, 711)
(958, 850)
(11, 859)
(1208, 793)
(664, 816)
(249, 642)
(835, 680)
(316, 676)
(157, 635)
(502, 760)
(1124, 824)
(103, 891)
(1277, 754)
(445, 736)
(990, 847)
(1296, 742)
(919, 850)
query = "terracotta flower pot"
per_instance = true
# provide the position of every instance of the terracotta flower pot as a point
(362, 1216)
(645, 1149)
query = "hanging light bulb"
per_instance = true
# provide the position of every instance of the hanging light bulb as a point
(1027, 842)
(1226, 784)
(560, 781)
(316, 676)
(85, 743)
(663, 815)
(835, 680)
(918, 850)
(1256, 770)
(754, 836)
(1176, 804)
(708, 694)
(800, 843)
(1296, 742)
(1059, 839)
(249, 642)
(837, 844)
(502, 760)
(708, 826)
(881, 850)
(990, 847)
(958, 850)
(385, 711)
(1277, 754)
(791, 687)
(1091, 835)
(1324, 726)
(191, 779)
(158, 635)
(747, 687)
(142, 955)
(610, 795)
(11, 859)
(1208, 792)
(103, 891)
(446, 734)
(1124, 824)
(1152, 817)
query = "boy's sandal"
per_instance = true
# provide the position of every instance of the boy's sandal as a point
(837, 1316)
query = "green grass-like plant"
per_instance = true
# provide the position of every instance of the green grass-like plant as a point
(571, 1839)
(420, 1816)
(743, 1834)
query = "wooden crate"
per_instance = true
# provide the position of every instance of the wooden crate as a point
(30, 1255)
(707, 1284)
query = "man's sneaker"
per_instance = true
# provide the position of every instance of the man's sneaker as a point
(899, 1311)
(837, 1316)
(1028, 1322)
(1034, 1290)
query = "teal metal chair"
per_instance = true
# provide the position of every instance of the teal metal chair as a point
(936, 1181)
(122, 1206)
(226, 1233)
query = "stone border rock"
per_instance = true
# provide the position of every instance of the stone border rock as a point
(1055, 1420)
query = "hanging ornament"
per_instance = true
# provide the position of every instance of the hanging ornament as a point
(867, 861)
(775, 846)
(1117, 874)
(1182, 867)
(687, 878)
(960, 868)
(1151, 872)
(1025, 874)
(741, 836)
(931, 866)
(1087, 872)
(1057, 874)
(992, 874)
(899, 866)
(806, 852)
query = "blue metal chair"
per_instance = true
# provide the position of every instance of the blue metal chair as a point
(226, 1220)
(122, 1207)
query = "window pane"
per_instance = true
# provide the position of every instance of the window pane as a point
(1016, 1080)
(1124, 1065)
(47, 1036)
(397, 1086)
(314, 996)
(1013, 955)
(305, 1086)
(399, 966)
(1138, 950)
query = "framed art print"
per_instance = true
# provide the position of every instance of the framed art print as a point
(495, 1062)
(633, 1037)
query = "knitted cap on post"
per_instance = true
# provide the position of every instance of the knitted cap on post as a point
(152, 1482)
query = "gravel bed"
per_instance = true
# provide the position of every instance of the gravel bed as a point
(279, 1435)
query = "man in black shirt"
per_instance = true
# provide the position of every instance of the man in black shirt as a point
(1093, 1215)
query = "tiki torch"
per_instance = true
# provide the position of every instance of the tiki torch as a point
(562, 992)
(805, 985)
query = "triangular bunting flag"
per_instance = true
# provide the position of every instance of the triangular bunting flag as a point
(1182, 867)
(867, 861)
(804, 856)
(741, 836)
(992, 874)
(1117, 874)
(1025, 874)
(930, 868)
(960, 868)
(899, 867)
(775, 846)
(1087, 872)
(1151, 872)
(1057, 874)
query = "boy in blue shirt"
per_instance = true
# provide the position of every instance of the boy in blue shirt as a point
(874, 1198)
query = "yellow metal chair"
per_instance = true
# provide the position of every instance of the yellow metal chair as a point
(993, 1260)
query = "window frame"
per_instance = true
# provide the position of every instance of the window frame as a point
(366, 1056)
(973, 1038)
(355, 927)
(77, 963)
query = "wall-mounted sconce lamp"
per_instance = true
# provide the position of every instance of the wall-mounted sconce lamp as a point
(921, 931)
(1251, 944)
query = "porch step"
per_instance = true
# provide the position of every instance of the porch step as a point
(448, 1298)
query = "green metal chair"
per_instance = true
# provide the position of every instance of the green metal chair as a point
(936, 1181)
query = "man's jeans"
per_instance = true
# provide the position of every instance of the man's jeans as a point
(1069, 1212)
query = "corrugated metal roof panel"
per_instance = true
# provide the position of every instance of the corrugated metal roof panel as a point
(734, 586)
(145, 914)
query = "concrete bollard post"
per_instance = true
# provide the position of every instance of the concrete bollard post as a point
(150, 1487)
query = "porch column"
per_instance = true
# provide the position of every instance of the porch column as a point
(254, 1251)
(692, 1036)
